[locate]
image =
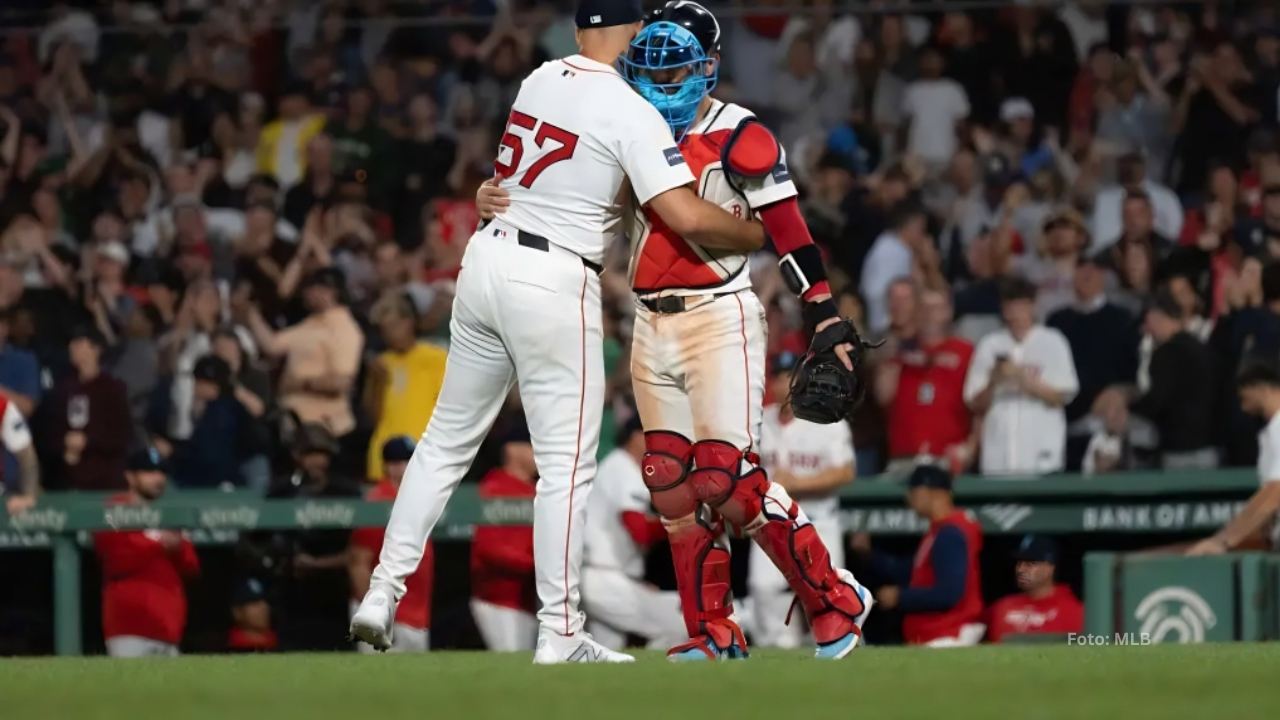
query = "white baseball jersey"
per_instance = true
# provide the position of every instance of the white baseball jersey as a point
(803, 448)
(661, 260)
(577, 133)
(1269, 464)
(619, 489)
(1021, 434)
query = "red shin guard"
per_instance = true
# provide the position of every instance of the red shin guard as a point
(829, 603)
(702, 578)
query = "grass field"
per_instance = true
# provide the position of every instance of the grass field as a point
(1206, 682)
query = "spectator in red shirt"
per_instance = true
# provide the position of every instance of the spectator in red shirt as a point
(88, 426)
(411, 631)
(503, 600)
(922, 389)
(144, 604)
(1042, 607)
(251, 619)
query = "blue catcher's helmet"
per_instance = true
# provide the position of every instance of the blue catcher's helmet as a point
(680, 36)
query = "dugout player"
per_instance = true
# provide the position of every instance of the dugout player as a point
(413, 614)
(1259, 387)
(528, 306)
(698, 351)
(502, 556)
(144, 602)
(621, 527)
(812, 462)
(1042, 606)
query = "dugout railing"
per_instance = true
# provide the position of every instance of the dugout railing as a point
(1140, 504)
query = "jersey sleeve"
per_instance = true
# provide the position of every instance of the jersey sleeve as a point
(840, 452)
(649, 155)
(1269, 457)
(17, 435)
(771, 188)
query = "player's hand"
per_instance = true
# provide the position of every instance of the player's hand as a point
(888, 596)
(491, 200)
(1207, 546)
(843, 350)
(18, 504)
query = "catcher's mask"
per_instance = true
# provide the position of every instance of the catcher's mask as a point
(672, 69)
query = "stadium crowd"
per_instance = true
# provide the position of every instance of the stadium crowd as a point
(229, 231)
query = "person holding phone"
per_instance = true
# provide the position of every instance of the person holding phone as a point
(1019, 382)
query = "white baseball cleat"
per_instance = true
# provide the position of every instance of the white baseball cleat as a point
(371, 623)
(555, 649)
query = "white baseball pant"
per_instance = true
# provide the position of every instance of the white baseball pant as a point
(618, 605)
(769, 596)
(504, 629)
(701, 372)
(134, 646)
(533, 317)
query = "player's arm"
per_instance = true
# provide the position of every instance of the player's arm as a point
(822, 482)
(753, 154)
(710, 226)
(661, 180)
(1260, 509)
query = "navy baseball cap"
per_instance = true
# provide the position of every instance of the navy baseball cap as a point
(247, 591)
(1037, 548)
(147, 459)
(607, 13)
(397, 449)
(929, 476)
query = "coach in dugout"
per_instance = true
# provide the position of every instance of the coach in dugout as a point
(941, 602)
(144, 603)
(1042, 606)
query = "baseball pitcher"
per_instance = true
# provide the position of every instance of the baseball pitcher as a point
(527, 309)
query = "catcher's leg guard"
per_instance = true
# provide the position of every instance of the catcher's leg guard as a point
(830, 603)
(717, 481)
(701, 562)
(665, 468)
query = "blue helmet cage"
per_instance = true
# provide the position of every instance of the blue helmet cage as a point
(666, 46)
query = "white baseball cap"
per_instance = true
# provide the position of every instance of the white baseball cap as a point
(1016, 108)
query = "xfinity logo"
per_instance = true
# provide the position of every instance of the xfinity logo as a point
(119, 517)
(38, 520)
(314, 514)
(240, 516)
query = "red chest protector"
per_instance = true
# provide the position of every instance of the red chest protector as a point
(664, 260)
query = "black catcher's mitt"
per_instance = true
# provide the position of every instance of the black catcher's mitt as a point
(822, 389)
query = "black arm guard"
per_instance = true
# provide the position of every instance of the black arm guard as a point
(822, 389)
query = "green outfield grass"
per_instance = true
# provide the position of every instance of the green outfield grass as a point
(1023, 683)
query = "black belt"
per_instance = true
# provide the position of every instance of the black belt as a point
(537, 242)
(672, 304)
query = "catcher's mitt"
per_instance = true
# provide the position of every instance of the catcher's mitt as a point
(822, 389)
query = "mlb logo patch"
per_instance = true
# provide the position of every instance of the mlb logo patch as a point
(780, 173)
(595, 19)
(673, 156)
